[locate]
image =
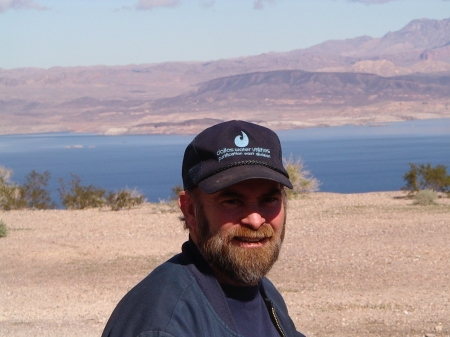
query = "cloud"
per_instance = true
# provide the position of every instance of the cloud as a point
(19, 4)
(209, 3)
(259, 4)
(150, 4)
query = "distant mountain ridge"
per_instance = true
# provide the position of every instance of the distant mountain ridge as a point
(356, 80)
(296, 88)
(418, 36)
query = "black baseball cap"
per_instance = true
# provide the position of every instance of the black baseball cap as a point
(230, 152)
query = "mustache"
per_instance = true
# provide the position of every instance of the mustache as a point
(265, 231)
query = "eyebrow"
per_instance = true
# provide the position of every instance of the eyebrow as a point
(228, 194)
(275, 191)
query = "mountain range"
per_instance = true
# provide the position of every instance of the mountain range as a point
(402, 75)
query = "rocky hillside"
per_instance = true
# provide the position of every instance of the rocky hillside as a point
(298, 88)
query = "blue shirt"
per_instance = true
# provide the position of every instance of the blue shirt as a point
(249, 311)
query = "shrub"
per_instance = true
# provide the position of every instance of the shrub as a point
(426, 198)
(425, 177)
(35, 196)
(124, 199)
(3, 229)
(29, 195)
(11, 194)
(175, 191)
(302, 180)
(11, 197)
(80, 197)
(5, 175)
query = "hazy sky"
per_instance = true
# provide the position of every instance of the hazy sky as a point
(47, 33)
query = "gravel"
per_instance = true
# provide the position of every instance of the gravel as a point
(369, 264)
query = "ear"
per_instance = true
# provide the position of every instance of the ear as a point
(187, 207)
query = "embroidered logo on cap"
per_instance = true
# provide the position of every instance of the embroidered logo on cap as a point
(241, 140)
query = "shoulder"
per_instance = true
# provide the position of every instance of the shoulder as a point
(152, 302)
(165, 281)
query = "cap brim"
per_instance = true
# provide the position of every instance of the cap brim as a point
(236, 174)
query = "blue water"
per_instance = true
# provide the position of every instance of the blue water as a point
(345, 159)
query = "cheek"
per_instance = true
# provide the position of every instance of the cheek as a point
(207, 226)
(278, 222)
(221, 229)
(221, 220)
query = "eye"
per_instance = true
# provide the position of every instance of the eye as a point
(271, 201)
(232, 202)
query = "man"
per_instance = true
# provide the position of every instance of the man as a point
(234, 207)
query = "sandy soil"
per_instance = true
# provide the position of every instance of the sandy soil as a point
(352, 265)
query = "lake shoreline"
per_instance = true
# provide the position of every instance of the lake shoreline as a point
(346, 159)
(190, 130)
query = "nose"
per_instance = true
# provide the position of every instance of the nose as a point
(253, 220)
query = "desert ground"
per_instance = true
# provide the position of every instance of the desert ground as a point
(369, 264)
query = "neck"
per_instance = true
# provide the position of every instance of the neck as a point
(224, 279)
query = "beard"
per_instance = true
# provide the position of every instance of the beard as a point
(243, 265)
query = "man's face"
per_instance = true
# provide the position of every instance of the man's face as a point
(241, 228)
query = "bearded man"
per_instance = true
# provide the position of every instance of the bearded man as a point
(234, 207)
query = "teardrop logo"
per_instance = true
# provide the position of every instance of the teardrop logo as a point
(242, 140)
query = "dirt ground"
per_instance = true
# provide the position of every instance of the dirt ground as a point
(367, 264)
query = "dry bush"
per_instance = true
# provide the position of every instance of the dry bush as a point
(302, 180)
(426, 198)
(3, 229)
(124, 199)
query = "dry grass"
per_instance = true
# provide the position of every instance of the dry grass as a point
(352, 265)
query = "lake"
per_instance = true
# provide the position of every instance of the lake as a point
(346, 159)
